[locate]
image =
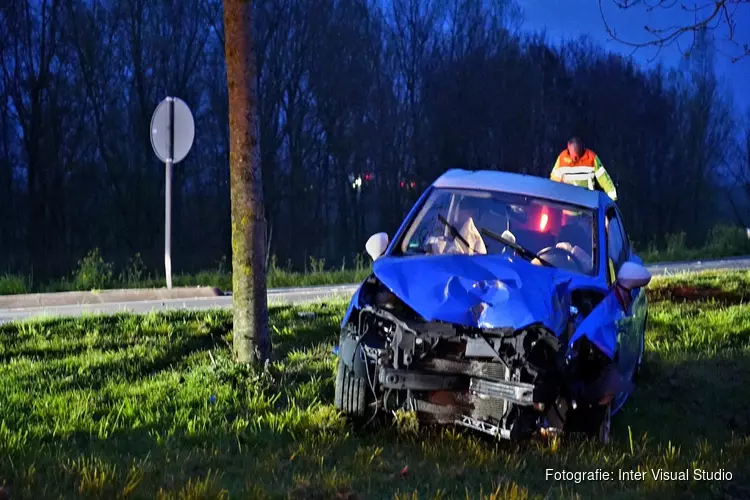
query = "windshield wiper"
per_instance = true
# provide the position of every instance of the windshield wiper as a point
(525, 252)
(455, 232)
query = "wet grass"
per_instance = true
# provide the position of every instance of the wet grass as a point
(707, 288)
(152, 407)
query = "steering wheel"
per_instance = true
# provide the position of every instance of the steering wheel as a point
(567, 257)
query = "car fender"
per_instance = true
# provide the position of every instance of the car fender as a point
(352, 355)
(600, 326)
(354, 302)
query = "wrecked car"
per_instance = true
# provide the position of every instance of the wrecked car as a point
(505, 303)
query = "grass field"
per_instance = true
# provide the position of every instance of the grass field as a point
(94, 272)
(152, 407)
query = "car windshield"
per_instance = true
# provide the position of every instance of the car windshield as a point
(478, 222)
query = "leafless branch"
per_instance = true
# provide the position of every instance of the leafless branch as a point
(708, 16)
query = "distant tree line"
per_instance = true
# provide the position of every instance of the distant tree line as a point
(363, 104)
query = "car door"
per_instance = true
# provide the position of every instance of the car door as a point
(629, 341)
(613, 325)
(639, 305)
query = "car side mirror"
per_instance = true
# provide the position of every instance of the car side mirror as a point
(633, 275)
(377, 245)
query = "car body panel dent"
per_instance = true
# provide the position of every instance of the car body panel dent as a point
(602, 325)
(453, 289)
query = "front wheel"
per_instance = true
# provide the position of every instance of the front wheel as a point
(350, 392)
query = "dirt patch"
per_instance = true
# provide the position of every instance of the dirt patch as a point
(682, 294)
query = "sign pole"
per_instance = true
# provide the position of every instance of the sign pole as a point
(168, 199)
(172, 134)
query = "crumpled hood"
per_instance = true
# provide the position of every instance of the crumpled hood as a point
(452, 288)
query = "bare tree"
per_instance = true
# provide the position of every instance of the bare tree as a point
(251, 340)
(706, 15)
(402, 89)
(34, 76)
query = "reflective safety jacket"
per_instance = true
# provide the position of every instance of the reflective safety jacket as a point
(584, 172)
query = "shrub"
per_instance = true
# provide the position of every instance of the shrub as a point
(727, 241)
(93, 272)
(12, 284)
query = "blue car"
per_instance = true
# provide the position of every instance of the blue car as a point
(505, 303)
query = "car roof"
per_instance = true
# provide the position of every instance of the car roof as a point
(528, 185)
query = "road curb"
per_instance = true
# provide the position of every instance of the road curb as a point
(105, 296)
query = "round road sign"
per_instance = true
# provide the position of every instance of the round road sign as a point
(161, 128)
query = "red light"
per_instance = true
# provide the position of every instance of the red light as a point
(413, 184)
(367, 177)
(543, 222)
(402, 183)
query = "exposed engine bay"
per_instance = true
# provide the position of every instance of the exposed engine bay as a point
(506, 382)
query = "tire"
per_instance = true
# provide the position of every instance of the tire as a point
(637, 370)
(605, 426)
(638, 362)
(595, 422)
(351, 392)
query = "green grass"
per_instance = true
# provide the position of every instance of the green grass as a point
(152, 407)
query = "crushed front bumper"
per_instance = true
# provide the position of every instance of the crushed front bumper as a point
(448, 374)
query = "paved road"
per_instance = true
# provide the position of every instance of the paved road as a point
(705, 265)
(275, 296)
(298, 295)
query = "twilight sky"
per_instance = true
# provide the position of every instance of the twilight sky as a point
(574, 18)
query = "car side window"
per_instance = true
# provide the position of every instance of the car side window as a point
(617, 249)
(625, 237)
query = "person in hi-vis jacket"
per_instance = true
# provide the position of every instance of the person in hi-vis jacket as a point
(582, 167)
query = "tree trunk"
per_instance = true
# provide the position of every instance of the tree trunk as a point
(251, 341)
